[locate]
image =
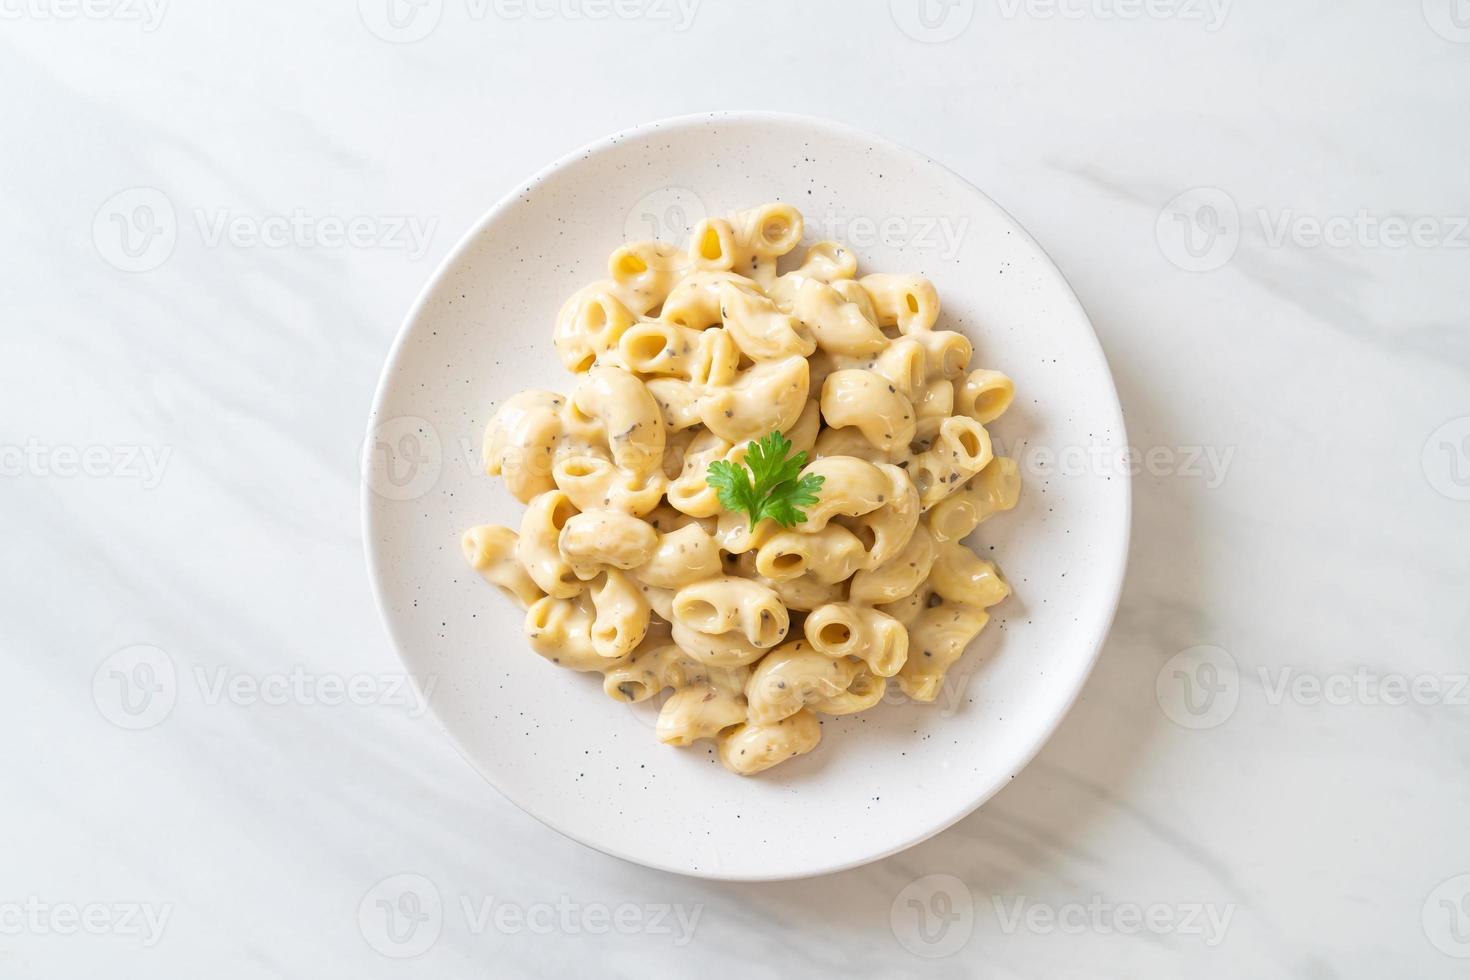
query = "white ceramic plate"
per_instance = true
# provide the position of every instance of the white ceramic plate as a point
(548, 738)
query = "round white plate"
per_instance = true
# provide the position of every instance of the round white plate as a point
(548, 738)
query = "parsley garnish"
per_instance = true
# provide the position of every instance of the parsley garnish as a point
(778, 488)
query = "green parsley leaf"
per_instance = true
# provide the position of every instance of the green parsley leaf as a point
(769, 484)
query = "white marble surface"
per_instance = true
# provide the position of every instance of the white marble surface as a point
(1275, 831)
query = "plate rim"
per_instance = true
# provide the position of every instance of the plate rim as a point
(366, 494)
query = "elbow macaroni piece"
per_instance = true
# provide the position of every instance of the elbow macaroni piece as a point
(907, 302)
(655, 347)
(872, 404)
(830, 555)
(727, 602)
(591, 482)
(491, 551)
(625, 561)
(768, 397)
(792, 677)
(994, 489)
(946, 353)
(828, 262)
(937, 636)
(900, 577)
(654, 666)
(687, 554)
(645, 272)
(865, 691)
(984, 395)
(837, 325)
(842, 629)
(850, 487)
(589, 325)
(961, 448)
(959, 575)
(759, 329)
(622, 615)
(695, 301)
(728, 649)
(690, 493)
(886, 530)
(803, 593)
(703, 709)
(538, 548)
(628, 414)
(598, 539)
(845, 442)
(905, 364)
(561, 631)
(521, 440)
(751, 748)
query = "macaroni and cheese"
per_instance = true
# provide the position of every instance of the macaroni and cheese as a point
(628, 565)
